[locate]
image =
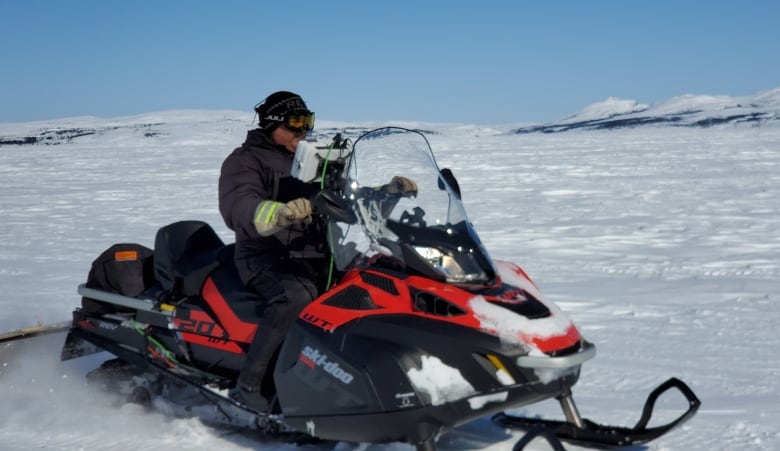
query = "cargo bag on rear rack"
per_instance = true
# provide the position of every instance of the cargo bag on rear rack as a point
(126, 269)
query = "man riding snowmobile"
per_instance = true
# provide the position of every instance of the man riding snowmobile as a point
(280, 249)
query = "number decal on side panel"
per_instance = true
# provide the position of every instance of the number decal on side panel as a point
(196, 326)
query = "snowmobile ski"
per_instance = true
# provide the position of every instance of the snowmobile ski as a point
(584, 432)
(539, 431)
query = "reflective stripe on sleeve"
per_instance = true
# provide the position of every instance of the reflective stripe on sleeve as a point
(266, 211)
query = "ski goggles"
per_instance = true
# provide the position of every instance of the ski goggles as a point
(300, 122)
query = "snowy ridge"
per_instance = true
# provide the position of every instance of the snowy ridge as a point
(682, 111)
(613, 113)
(166, 127)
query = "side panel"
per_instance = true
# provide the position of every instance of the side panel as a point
(330, 382)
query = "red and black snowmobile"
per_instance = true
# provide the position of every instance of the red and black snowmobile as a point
(420, 332)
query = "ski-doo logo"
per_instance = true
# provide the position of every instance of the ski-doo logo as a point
(314, 358)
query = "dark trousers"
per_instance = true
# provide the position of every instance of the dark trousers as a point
(287, 287)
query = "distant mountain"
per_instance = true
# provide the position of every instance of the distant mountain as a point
(683, 111)
(159, 127)
(613, 113)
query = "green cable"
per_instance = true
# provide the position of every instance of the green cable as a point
(168, 354)
(322, 186)
(325, 166)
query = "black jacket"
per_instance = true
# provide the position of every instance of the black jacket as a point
(254, 172)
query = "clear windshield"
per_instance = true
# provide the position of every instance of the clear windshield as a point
(420, 226)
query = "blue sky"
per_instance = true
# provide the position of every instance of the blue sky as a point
(478, 62)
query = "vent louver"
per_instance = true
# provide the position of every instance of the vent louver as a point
(381, 282)
(352, 298)
(435, 305)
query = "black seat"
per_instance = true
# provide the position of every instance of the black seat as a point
(185, 253)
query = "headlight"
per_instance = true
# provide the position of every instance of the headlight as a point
(459, 268)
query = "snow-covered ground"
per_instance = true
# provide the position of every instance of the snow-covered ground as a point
(661, 243)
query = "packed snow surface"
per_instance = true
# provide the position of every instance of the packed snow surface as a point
(661, 244)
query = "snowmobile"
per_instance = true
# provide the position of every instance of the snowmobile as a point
(420, 331)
